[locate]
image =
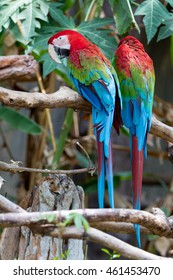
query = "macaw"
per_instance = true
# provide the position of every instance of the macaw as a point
(95, 79)
(136, 76)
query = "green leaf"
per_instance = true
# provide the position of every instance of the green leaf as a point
(166, 30)
(9, 10)
(59, 17)
(49, 65)
(78, 220)
(85, 223)
(124, 17)
(94, 24)
(41, 42)
(102, 39)
(170, 2)
(50, 217)
(155, 14)
(99, 37)
(64, 5)
(28, 13)
(106, 251)
(19, 121)
(112, 255)
(31, 15)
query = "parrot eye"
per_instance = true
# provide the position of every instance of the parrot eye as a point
(60, 38)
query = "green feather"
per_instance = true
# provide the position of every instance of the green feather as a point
(92, 69)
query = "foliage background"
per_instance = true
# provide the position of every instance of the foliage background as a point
(25, 27)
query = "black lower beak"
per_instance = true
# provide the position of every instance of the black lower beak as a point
(62, 53)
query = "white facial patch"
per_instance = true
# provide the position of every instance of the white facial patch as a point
(53, 54)
(62, 42)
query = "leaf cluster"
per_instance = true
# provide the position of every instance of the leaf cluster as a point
(157, 18)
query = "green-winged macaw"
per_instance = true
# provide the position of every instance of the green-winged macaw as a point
(96, 80)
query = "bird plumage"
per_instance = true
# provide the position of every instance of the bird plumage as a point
(136, 75)
(96, 80)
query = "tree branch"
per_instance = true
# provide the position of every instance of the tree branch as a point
(102, 238)
(37, 222)
(157, 222)
(66, 97)
(8, 206)
(14, 168)
(17, 67)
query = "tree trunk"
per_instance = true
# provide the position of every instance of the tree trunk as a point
(55, 192)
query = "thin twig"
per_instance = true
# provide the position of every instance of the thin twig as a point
(90, 165)
(14, 168)
(5, 144)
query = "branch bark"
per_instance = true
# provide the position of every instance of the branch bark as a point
(14, 168)
(17, 67)
(105, 240)
(157, 222)
(66, 97)
(92, 234)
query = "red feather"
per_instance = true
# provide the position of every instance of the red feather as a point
(137, 171)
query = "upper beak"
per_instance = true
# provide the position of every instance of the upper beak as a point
(53, 54)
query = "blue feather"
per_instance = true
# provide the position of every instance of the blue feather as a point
(102, 95)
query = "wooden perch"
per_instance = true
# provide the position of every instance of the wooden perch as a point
(55, 192)
(66, 97)
(13, 167)
(157, 222)
(17, 67)
(95, 216)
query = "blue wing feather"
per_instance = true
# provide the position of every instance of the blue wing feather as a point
(102, 95)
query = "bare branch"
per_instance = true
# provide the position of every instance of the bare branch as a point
(92, 234)
(17, 67)
(170, 151)
(66, 97)
(14, 168)
(157, 223)
(120, 227)
(8, 206)
(161, 130)
(104, 240)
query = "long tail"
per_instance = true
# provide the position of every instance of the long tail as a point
(109, 176)
(137, 158)
(105, 169)
(101, 173)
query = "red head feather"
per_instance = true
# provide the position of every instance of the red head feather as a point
(77, 41)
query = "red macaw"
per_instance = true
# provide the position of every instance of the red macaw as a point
(136, 75)
(96, 80)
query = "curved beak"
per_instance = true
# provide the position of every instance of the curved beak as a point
(53, 54)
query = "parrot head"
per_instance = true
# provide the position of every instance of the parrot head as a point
(65, 42)
(131, 42)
